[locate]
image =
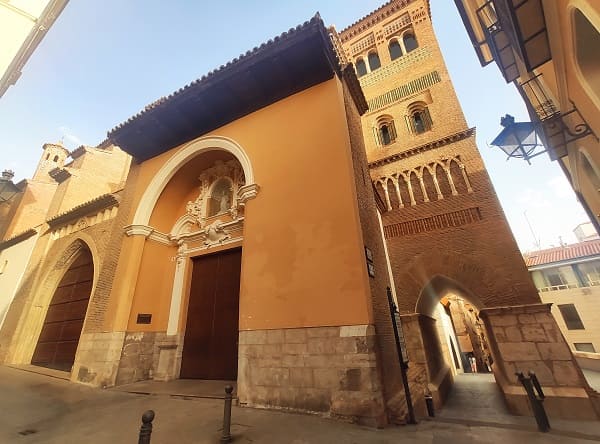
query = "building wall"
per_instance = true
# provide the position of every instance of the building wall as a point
(289, 224)
(587, 304)
(13, 261)
(96, 172)
(31, 209)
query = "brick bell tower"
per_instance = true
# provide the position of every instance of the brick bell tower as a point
(445, 230)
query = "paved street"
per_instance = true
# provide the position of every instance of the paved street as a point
(57, 411)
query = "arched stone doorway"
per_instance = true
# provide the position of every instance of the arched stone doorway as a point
(437, 343)
(520, 332)
(59, 338)
(192, 217)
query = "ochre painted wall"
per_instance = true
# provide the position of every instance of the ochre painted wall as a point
(303, 258)
(154, 286)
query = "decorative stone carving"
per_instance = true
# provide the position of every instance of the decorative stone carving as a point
(215, 233)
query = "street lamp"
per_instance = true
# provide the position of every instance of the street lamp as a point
(518, 139)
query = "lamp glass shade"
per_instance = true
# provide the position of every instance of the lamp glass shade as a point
(517, 140)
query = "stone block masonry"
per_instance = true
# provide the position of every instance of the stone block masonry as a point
(526, 338)
(326, 370)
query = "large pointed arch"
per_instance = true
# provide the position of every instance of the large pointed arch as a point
(187, 152)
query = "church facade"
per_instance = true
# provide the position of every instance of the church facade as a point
(269, 207)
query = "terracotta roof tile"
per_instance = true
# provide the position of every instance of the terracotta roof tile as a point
(565, 253)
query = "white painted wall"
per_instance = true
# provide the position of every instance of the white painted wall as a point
(13, 262)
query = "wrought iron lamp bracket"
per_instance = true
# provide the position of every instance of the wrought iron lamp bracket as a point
(559, 130)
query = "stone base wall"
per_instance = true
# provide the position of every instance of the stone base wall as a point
(98, 359)
(329, 370)
(167, 356)
(109, 359)
(137, 358)
(526, 338)
(428, 373)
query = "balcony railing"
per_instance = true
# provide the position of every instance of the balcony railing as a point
(568, 286)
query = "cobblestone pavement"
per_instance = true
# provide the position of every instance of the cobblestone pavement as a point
(41, 409)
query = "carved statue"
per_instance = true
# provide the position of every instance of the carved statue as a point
(224, 202)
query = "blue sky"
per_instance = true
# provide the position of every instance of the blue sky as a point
(104, 61)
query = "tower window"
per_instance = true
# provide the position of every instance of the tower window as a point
(55, 159)
(361, 68)
(410, 42)
(47, 156)
(385, 132)
(395, 49)
(374, 62)
(419, 119)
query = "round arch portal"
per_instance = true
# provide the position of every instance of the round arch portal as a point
(438, 287)
(186, 153)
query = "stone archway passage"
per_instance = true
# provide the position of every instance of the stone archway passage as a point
(60, 334)
(210, 346)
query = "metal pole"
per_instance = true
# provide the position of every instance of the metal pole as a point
(403, 365)
(537, 385)
(146, 428)
(536, 404)
(226, 436)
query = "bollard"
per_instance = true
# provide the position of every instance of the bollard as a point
(429, 404)
(536, 403)
(146, 428)
(226, 436)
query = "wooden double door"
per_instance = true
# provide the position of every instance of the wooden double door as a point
(60, 334)
(210, 347)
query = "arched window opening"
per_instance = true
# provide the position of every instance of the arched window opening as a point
(429, 185)
(402, 185)
(395, 203)
(221, 197)
(416, 188)
(386, 138)
(419, 122)
(442, 179)
(47, 156)
(419, 119)
(587, 42)
(385, 132)
(379, 187)
(55, 159)
(374, 62)
(457, 177)
(361, 68)
(395, 50)
(410, 42)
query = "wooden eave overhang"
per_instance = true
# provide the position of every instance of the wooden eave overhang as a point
(292, 62)
(87, 208)
(17, 239)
